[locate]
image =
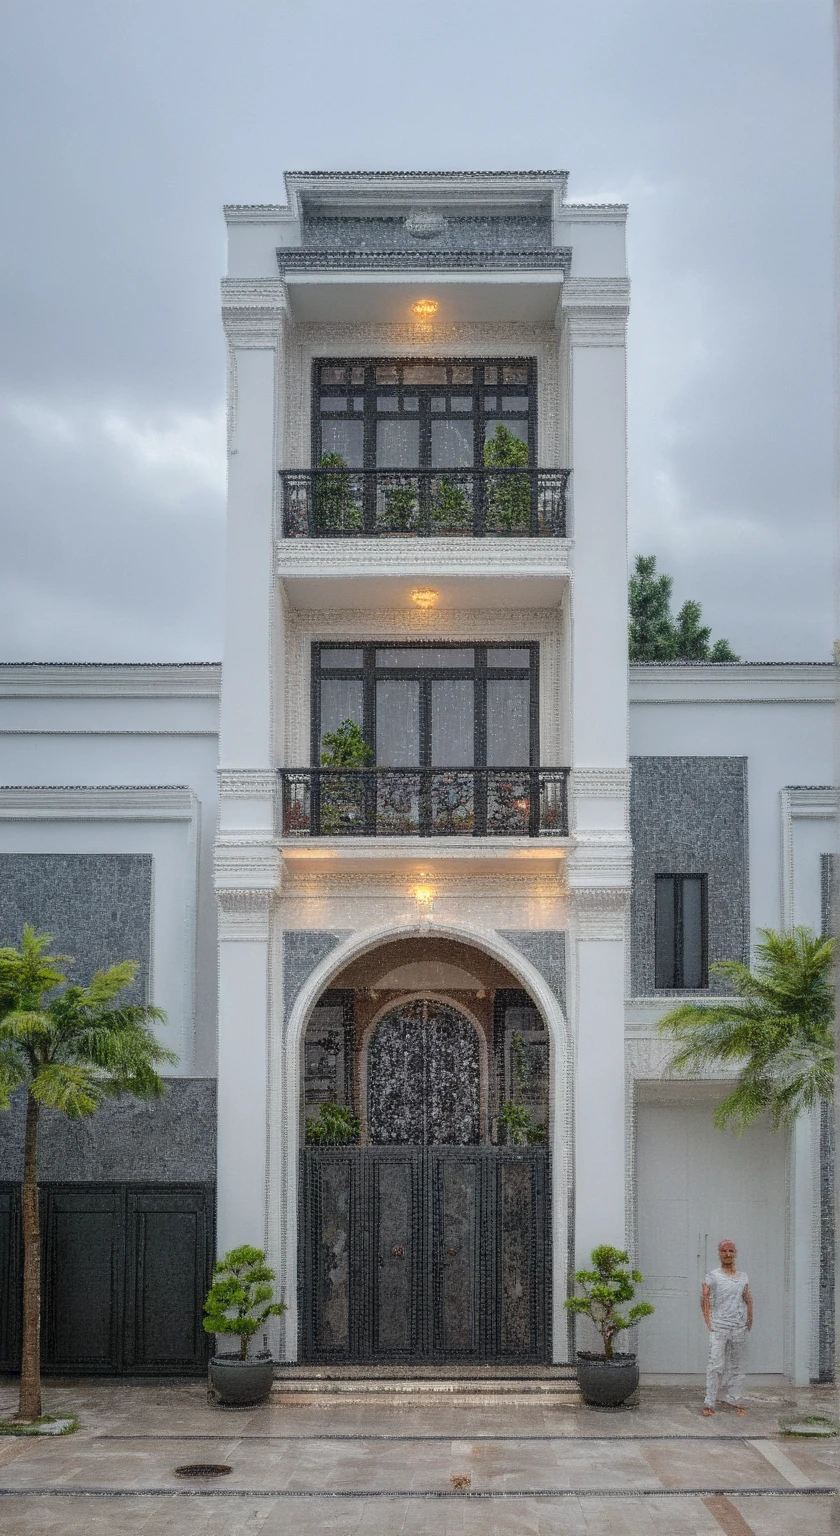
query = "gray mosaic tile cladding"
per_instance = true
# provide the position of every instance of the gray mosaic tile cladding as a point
(492, 233)
(688, 815)
(303, 949)
(97, 906)
(546, 950)
(162, 1141)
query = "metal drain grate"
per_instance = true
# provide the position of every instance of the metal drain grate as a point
(203, 1469)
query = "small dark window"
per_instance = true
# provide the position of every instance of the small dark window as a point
(681, 932)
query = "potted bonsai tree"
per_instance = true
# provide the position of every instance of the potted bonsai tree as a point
(608, 1379)
(239, 1302)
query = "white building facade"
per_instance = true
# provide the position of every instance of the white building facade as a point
(484, 904)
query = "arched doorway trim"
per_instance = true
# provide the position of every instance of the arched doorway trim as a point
(284, 1108)
(416, 997)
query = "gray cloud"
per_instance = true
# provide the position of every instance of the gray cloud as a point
(127, 127)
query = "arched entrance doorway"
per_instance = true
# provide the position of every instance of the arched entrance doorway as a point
(424, 1230)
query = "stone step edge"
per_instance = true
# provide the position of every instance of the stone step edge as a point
(425, 1388)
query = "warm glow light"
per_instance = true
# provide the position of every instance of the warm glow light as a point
(424, 597)
(425, 308)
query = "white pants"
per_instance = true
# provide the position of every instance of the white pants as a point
(725, 1370)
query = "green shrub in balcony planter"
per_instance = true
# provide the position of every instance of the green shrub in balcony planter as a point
(335, 1127)
(400, 512)
(509, 496)
(451, 509)
(336, 507)
(345, 747)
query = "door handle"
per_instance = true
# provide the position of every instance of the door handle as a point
(398, 1251)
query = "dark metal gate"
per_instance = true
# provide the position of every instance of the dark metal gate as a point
(425, 1253)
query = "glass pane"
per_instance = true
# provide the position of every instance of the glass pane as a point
(438, 402)
(410, 403)
(489, 402)
(333, 402)
(398, 444)
(333, 375)
(337, 656)
(491, 375)
(358, 402)
(501, 658)
(427, 657)
(514, 402)
(692, 916)
(452, 444)
(516, 375)
(508, 732)
(461, 402)
(357, 375)
(388, 402)
(461, 374)
(386, 373)
(665, 931)
(346, 438)
(424, 373)
(397, 724)
(453, 713)
(518, 428)
(341, 699)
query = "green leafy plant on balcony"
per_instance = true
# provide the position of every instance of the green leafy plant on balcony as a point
(345, 747)
(337, 509)
(400, 511)
(508, 495)
(342, 794)
(516, 1123)
(335, 1127)
(451, 510)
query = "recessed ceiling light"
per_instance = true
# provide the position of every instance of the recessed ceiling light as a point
(425, 308)
(424, 597)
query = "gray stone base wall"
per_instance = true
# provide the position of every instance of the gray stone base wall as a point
(162, 1141)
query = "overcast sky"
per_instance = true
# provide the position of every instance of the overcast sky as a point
(127, 125)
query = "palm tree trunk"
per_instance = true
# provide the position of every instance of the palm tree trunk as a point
(29, 1406)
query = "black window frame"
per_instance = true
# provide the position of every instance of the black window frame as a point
(368, 391)
(479, 673)
(676, 968)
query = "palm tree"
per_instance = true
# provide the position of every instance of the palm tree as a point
(777, 1031)
(70, 1048)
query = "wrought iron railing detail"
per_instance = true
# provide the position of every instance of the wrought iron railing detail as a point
(424, 802)
(348, 503)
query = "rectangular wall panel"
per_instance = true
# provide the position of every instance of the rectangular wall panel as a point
(168, 1265)
(82, 1258)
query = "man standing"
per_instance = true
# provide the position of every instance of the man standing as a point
(727, 1307)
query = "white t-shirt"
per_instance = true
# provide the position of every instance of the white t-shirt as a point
(729, 1309)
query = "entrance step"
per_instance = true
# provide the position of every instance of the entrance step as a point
(320, 1386)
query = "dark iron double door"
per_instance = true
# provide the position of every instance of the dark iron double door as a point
(425, 1254)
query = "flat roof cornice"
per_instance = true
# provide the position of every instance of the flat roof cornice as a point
(345, 191)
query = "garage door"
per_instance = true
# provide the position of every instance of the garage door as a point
(695, 1186)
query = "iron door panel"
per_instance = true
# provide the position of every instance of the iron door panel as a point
(457, 1200)
(10, 1278)
(521, 1254)
(395, 1258)
(331, 1181)
(168, 1264)
(82, 1278)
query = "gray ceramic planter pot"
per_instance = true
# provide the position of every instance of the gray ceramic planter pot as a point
(240, 1383)
(606, 1383)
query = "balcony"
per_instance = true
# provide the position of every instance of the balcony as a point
(424, 503)
(424, 802)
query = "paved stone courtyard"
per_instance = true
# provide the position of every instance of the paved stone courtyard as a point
(658, 1469)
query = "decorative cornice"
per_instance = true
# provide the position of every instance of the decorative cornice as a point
(594, 311)
(434, 556)
(247, 864)
(244, 916)
(246, 783)
(801, 802)
(114, 680)
(535, 883)
(254, 310)
(599, 914)
(601, 865)
(765, 682)
(596, 293)
(106, 802)
(600, 783)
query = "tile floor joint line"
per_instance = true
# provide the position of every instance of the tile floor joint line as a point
(500, 1439)
(782, 1462)
(816, 1490)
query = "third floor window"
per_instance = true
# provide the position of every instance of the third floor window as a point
(406, 414)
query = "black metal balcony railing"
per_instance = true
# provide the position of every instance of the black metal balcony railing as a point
(425, 802)
(347, 503)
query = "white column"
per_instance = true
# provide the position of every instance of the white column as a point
(598, 954)
(594, 315)
(804, 1280)
(246, 856)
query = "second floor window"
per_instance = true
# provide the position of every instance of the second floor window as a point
(430, 706)
(404, 414)
(681, 932)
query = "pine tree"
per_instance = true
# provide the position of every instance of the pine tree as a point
(654, 634)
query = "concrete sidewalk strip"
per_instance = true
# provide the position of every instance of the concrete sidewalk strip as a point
(782, 1462)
